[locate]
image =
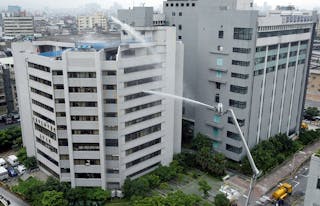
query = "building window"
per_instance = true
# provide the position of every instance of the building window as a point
(220, 34)
(88, 175)
(112, 171)
(173, 13)
(110, 101)
(112, 143)
(142, 81)
(318, 183)
(135, 96)
(180, 27)
(112, 157)
(86, 147)
(63, 142)
(243, 33)
(142, 119)
(241, 50)
(39, 67)
(179, 37)
(144, 169)
(83, 104)
(193, 4)
(237, 104)
(143, 106)
(57, 72)
(110, 114)
(215, 131)
(64, 157)
(241, 122)
(142, 159)
(84, 118)
(40, 80)
(219, 62)
(65, 170)
(85, 131)
(238, 89)
(217, 98)
(83, 89)
(143, 132)
(180, 13)
(233, 136)
(87, 162)
(241, 63)
(218, 85)
(217, 118)
(233, 149)
(109, 73)
(220, 48)
(143, 146)
(81, 74)
(261, 49)
(218, 74)
(239, 76)
(58, 86)
(142, 68)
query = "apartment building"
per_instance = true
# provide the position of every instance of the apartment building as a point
(97, 22)
(18, 26)
(256, 65)
(8, 93)
(84, 112)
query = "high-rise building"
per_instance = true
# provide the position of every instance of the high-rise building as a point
(97, 22)
(84, 112)
(8, 93)
(256, 65)
(18, 26)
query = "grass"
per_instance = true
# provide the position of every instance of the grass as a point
(118, 202)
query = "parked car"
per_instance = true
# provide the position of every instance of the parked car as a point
(13, 160)
(21, 169)
(3, 173)
(2, 163)
(12, 172)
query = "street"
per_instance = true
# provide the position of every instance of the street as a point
(15, 201)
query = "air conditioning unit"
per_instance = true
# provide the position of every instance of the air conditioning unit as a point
(87, 162)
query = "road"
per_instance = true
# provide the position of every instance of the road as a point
(15, 201)
(4, 126)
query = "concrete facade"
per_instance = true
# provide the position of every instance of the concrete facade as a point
(84, 114)
(312, 197)
(18, 26)
(97, 22)
(256, 65)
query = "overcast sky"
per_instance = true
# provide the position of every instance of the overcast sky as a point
(39, 4)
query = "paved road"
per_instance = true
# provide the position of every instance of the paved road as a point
(15, 201)
(4, 126)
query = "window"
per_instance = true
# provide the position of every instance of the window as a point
(42, 105)
(63, 142)
(50, 147)
(41, 93)
(233, 149)
(110, 114)
(273, 47)
(215, 131)
(220, 48)
(43, 117)
(57, 72)
(109, 73)
(258, 72)
(272, 58)
(110, 101)
(142, 119)
(218, 85)
(193, 4)
(143, 106)
(260, 60)
(142, 68)
(86, 147)
(40, 80)
(59, 101)
(241, 63)
(47, 157)
(112, 157)
(142, 159)
(241, 122)
(112, 143)
(112, 171)
(217, 98)
(218, 74)
(233, 136)
(261, 49)
(283, 32)
(243, 33)
(142, 81)
(318, 183)
(61, 127)
(81, 74)
(143, 132)
(219, 62)
(82, 89)
(86, 161)
(239, 76)
(143, 146)
(180, 13)
(38, 67)
(64, 157)
(173, 13)
(144, 169)
(58, 86)
(217, 118)
(88, 175)
(241, 50)
(179, 37)
(85, 131)
(135, 96)
(60, 114)
(83, 104)
(237, 104)
(65, 170)
(180, 27)
(220, 34)
(84, 118)
(238, 89)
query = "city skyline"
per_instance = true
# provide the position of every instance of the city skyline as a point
(40, 4)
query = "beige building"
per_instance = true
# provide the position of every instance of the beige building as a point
(97, 22)
(313, 91)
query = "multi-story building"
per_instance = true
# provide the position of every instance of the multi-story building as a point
(84, 112)
(256, 65)
(313, 89)
(313, 184)
(18, 26)
(8, 93)
(97, 22)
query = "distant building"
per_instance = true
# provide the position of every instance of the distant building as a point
(313, 89)
(8, 93)
(312, 197)
(14, 10)
(84, 112)
(97, 22)
(18, 26)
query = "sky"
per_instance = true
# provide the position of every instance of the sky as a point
(54, 4)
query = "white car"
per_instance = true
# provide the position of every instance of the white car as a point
(21, 169)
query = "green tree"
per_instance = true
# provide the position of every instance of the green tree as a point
(221, 200)
(31, 162)
(138, 187)
(154, 180)
(204, 187)
(53, 198)
(201, 141)
(9, 138)
(311, 112)
(98, 195)
(30, 189)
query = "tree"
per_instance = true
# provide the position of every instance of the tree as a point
(201, 141)
(221, 200)
(138, 187)
(30, 189)
(53, 198)
(31, 162)
(10, 138)
(22, 155)
(98, 195)
(204, 187)
(311, 112)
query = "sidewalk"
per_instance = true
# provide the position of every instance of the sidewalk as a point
(268, 182)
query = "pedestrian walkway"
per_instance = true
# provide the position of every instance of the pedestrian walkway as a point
(279, 174)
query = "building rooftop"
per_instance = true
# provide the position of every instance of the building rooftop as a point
(88, 37)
